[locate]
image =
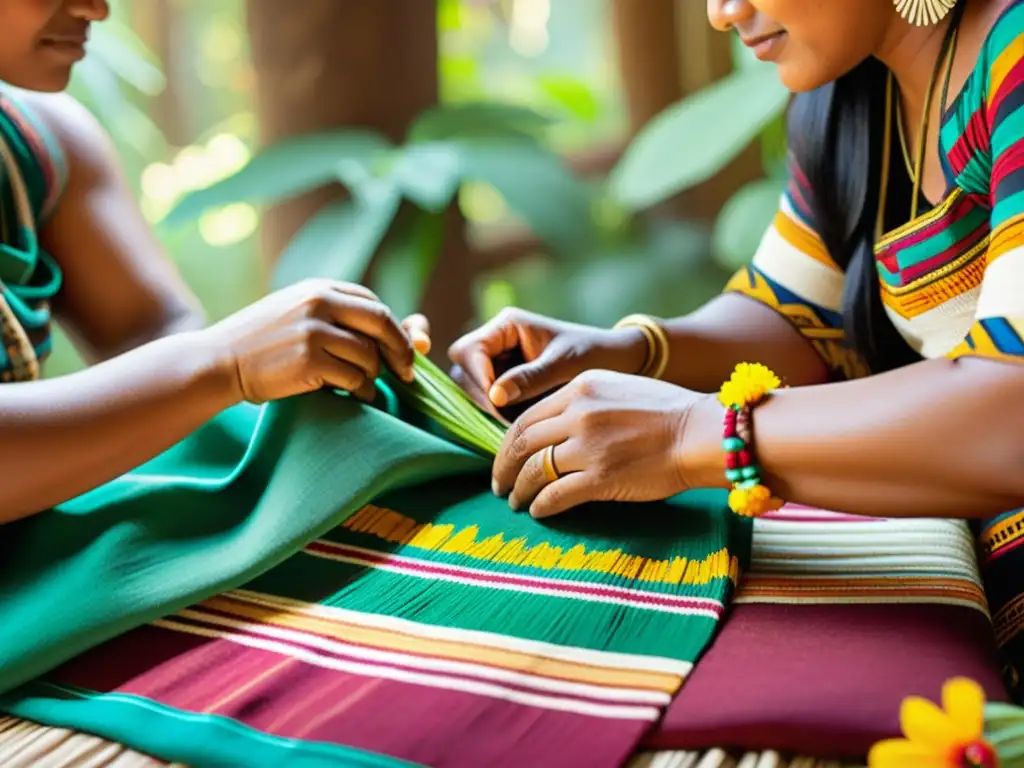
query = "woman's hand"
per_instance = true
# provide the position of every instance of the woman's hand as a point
(555, 352)
(615, 438)
(315, 334)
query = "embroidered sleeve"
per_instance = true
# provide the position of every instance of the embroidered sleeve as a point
(998, 329)
(793, 274)
(37, 152)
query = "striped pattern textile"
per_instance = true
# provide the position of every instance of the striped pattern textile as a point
(800, 557)
(32, 178)
(837, 620)
(493, 639)
(804, 556)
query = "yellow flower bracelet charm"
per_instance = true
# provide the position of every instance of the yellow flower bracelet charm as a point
(747, 386)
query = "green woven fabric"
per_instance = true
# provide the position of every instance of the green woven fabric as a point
(239, 496)
(277, 501)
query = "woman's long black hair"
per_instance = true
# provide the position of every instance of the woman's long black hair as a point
(836, 137)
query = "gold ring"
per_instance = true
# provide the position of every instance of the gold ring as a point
(550, 468)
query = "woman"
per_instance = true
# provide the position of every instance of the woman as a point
(888, 295)
(84, 248)
(897, 334)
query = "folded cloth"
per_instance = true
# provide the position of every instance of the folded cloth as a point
(239, 601)
(838, 620)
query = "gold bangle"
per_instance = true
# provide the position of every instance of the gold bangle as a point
(657, 343)
(652, 349)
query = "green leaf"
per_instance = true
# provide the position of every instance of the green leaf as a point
(571, 93)
(692, 141)
(743, 220)
(408, 260)
(429, 174)
(290, 168)
(478, 120)
(121, 51)
(99, 90)
(340, 240)
(538, 188)
(433, 394)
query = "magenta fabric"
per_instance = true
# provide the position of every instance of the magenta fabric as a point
(824, 680)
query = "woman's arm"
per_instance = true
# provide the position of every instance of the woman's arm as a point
(784, 310)
(119, 288)
(707, 344)
(941, 438)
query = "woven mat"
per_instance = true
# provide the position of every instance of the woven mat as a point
(27, 745)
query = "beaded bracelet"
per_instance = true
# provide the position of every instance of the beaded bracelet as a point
(657, 344)
(747, 386)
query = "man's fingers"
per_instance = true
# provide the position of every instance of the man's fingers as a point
(418, 328)
(375, 320)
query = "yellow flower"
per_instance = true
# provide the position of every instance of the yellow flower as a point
(753, 501)
(951, 737)
(748, 384)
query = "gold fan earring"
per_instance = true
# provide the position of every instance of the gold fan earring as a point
(922, 13)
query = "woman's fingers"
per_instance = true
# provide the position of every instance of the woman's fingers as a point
(568, 492)
(476, 351)
(521, 442)
(535, 378)
(546, 466)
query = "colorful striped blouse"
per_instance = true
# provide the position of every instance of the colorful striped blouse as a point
(32, 178)
(952, 280)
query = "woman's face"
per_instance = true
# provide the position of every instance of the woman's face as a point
(811, 41)
(40, 40)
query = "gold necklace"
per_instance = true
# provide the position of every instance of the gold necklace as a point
(914, 169)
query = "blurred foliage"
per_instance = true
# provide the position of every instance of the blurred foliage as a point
(447, 148)
(696, 138)
(522, 83)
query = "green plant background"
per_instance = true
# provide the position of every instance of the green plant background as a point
(509, 113)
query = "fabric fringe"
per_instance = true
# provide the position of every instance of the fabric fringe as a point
(28, 745)
(720, 758)
(24, 744)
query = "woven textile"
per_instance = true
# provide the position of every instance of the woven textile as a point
(245, 600)
(838, 620)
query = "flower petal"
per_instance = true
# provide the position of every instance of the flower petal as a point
(964, 702)
(901, 753)
(927, 725)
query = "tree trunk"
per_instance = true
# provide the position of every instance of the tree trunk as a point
(157, 23)
(667, 50)
(323, 64)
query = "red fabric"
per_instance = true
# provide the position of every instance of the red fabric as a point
(824, 680)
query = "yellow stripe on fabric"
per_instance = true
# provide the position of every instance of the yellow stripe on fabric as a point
(1002, 66)
(401, 642)
(1008, 236)
(804, 240)
(827, 342)
(960, 277)
(979, 343)
(1009, 620)
(396, 528)
(1001, 535)
(940, 211)
(607, 709)
(757, 587)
